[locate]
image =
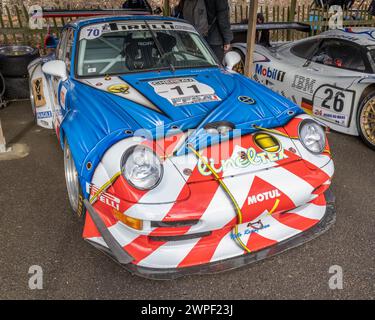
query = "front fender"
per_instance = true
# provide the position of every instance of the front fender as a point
(40, 97)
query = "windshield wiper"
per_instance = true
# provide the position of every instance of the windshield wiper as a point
(159, 46)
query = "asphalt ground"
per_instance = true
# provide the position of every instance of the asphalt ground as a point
(38, 228)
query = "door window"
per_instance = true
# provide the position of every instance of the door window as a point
(341, 54)
(61, 46)
(69, 48)
(306, 48)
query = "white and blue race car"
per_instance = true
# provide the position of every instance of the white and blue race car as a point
(331, 76)
(181, 165)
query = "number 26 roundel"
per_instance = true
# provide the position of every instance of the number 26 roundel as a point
(334, 104)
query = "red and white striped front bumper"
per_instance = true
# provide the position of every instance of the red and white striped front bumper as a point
(188, 220)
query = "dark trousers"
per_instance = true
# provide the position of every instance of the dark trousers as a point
(218, 51)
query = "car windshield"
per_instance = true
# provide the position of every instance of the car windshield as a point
(139, 46)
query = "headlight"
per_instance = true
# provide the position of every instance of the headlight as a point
(312, 136)
(222, 128)
(141, 167)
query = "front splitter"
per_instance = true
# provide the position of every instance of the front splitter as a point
(322, 226)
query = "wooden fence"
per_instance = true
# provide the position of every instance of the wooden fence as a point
(14, 22)
(318, 18)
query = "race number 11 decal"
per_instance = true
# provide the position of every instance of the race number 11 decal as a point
(333, 104)
(184, 91)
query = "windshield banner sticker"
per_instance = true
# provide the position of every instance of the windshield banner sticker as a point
(184, 91)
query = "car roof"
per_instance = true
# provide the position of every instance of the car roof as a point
(361, 36)
(101, 19)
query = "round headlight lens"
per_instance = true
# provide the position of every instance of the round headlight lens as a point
(221, 128)
(141, 167)
(312, 136)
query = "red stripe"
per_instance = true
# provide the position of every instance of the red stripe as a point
(295, 221)
(142, 247)
(201, 195)
(257, 242)
(169, 231)
(205, 248)
(104, 213)
(306, 171)
(319, 201)
(123, 190)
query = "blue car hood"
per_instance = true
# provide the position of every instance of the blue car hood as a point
(105, 116)
(266, 110)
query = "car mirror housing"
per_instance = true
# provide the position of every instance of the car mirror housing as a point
(56, 68)
(231, 58)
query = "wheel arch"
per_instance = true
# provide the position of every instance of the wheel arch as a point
(367, 92)
(370, 88)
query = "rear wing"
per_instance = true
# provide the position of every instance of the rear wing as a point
(89, 13)
(298, 26)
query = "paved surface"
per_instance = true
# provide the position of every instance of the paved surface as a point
(37, 228)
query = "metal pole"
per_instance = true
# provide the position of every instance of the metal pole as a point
(167, 8)
(292, 13)
(251, 33)
(3, 147)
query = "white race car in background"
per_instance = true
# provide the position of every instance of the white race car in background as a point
(331, 75)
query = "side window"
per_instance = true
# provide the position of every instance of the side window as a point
(341, 54)
(61, 46)
(306, 48)
(69, 48)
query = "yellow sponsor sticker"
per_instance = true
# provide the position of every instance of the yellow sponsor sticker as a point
(119, 88)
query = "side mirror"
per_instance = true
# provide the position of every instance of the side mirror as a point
(56, 68)
(231, 58)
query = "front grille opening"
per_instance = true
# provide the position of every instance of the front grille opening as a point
(173, 224)
(180, 238)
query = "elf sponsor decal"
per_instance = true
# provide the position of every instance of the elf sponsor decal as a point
(273, 194)
(303, 84)
(184, 91)
(103, 197)
(244, 160)
(270, 73)
(38, 92)
(334, 104)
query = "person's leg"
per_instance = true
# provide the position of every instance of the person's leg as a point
(218, 51)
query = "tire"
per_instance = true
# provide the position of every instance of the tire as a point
(240, 67)
(15, 59)
(2, 85)
(72, 182)
(16, 88)
(366, 120)
(2, 91)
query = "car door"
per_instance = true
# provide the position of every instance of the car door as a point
(325, 80)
